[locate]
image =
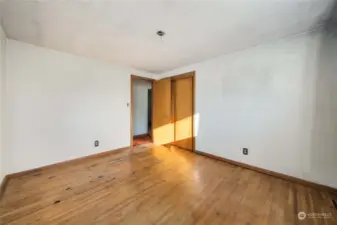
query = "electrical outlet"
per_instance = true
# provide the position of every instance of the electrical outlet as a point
(96, 143)
(245, 151)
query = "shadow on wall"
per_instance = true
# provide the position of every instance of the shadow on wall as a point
(322, 162)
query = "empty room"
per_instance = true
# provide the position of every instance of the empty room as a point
(174, 112)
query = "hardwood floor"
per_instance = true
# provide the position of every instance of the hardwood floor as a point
(141, 140)
(158, 185)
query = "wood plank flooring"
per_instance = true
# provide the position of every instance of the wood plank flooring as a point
(158, 185)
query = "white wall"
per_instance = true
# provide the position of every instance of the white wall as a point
(3, 40)
(274, 100)
(140, 112)
(323, 144)
(58, 104)
(277, 99)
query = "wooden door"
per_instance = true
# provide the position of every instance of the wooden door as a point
(183, 112)
(163, 126)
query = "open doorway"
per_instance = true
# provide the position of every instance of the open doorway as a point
(141, 110)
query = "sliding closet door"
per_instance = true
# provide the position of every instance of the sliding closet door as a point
(163, 126)
(183, 112)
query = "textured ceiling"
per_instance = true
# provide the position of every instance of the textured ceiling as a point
(123, 32)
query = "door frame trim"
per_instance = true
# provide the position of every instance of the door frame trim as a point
(182, 76)
(132, 79)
